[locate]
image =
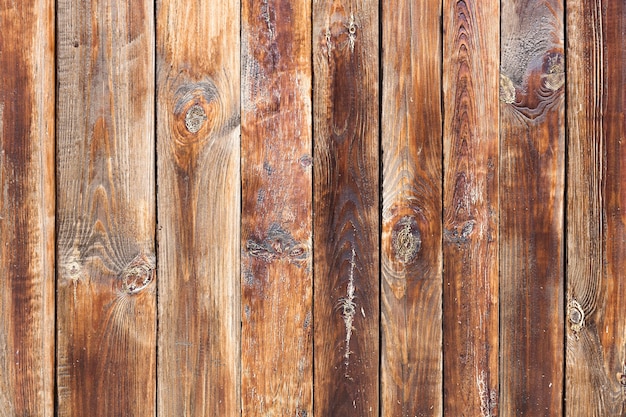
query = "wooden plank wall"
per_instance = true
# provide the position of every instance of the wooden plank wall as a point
(313, 207)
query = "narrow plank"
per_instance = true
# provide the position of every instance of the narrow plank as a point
(277, 268)
(470, 235)
(199, 205)
(411, 315)
(531, 209)
(27, 208)
(106, 214)
(596, 343)
(346, 195)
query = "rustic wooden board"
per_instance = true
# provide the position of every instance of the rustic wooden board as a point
(470, 235)
(199, 206)
(596, 342)
(346, 227)
(106, 214)
(411, 350)
(531, 208)
(27, 208)
(277, 267)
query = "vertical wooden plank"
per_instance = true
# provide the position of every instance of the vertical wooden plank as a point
(346, 227)
(277, 329)
(470, 235)
(27, 208)
(531, 209)
(106, 214)
(596, 341)
(412, 206)
(199, 206)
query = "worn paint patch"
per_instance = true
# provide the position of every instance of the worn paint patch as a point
(488, 398)
(507, 90)
(554, 76)
(348, 311)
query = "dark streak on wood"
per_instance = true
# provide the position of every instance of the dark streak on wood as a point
(27, 208)
(531, 210)
(346, 303)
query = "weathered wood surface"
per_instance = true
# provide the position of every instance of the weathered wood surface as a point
(470, 219)
(276, 241)
(411, 350)
(106, 314)
(531, 208)
(596, 342)
(346, 226)
(199, 206)
(27, 208)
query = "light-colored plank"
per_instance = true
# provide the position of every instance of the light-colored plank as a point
(27, 208)
(346, 227)
(470, 235)
(596, 341)
(532, 149)
(106, 213)
(199, 207)
(411, 369)
(277, 265)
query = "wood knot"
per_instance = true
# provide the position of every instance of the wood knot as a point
(195, 118)
(507, 90)
(138, 274)
(462, 236)
(278, 244)
(554, 74)
(576, 316)
(406, 239)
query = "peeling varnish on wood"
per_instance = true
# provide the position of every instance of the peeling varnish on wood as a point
(555, 76)
(507, 90)
(488, 398)
(351, 32)
(348, 310)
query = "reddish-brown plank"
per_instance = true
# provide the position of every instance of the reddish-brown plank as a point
(596, 342)
(199, 206)
(27, 208)
(106, 214)
(532, 150)
(411, 316)
(346, 227)
(470, 234)
(277, 265)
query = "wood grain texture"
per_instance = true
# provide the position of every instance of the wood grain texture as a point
(531, 209)
(411, 368)
(198, 109)
(596, 342)
(346, 227)
(106, 315)
(27, 208)
(470, 235)
(277, 267)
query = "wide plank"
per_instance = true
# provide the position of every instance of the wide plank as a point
(27, 202)
(596, 342)
(470, 207)
(106, 314)
(411, 254)
(276, 245)
(346, 198)
(532, 155)
(198, 117)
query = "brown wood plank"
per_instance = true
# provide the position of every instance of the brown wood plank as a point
(27, 208)
(346, 227)
(106, 214)
(470, 235)
(531, 208)
(411, 369)
(199, 206)
(277, 267)
(596, 343)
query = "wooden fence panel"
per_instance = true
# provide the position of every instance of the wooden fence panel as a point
(27, 208)
(470, 220)
(596, 343)
(276, 241)
(346, 194)
(198, 112)
(532, 150)
(106, 211)
(411, 351)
